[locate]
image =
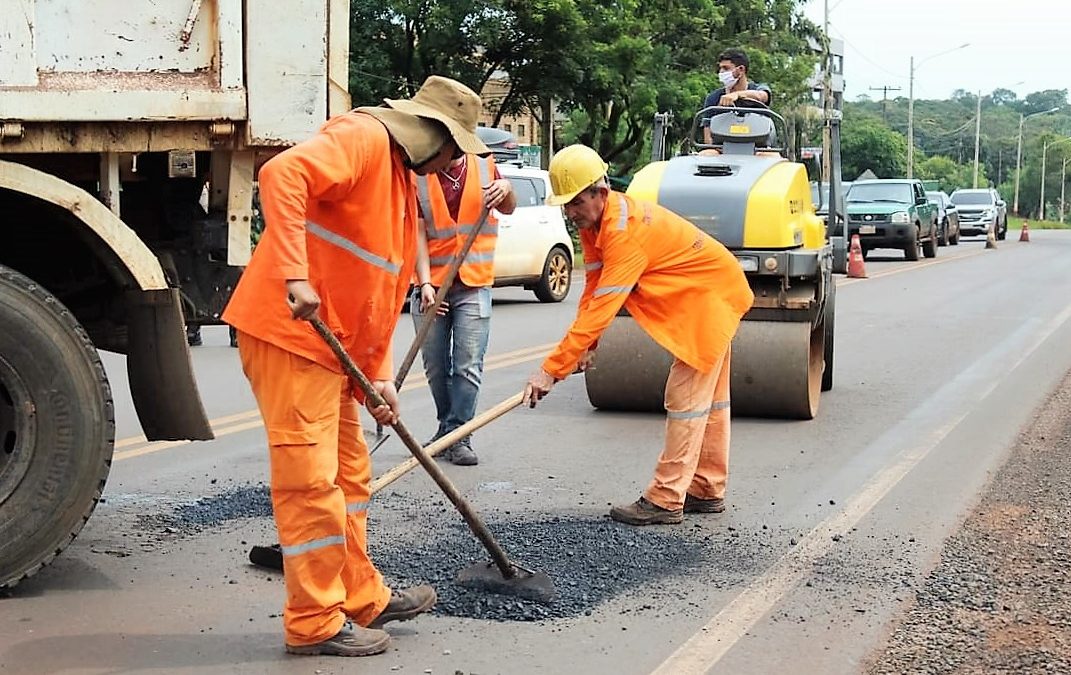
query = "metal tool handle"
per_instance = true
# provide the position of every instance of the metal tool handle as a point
(471, 518)
(440, 296)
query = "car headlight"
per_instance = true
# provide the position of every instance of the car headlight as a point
(748, 264)
(900, 217)
(987, 214)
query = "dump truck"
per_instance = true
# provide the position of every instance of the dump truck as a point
(129, 137)
(740, 189)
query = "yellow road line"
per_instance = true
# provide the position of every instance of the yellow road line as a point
(220, 425)
(910, 268)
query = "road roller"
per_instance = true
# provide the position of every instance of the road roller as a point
(738, 186)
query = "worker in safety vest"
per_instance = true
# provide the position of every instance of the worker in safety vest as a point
(688, 293)
(450, 204)
(340, 243)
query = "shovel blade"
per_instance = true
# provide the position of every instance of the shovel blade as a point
(527, 584)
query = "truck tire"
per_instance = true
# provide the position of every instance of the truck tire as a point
(945, 239)
(57, 427)
(929, 247)
(557, 277)
(911, 248)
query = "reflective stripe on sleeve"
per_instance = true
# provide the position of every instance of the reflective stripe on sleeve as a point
(338, 240)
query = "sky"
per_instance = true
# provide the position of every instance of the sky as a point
(1027, 41)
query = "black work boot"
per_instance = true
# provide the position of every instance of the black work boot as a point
(405, 605)
(643, 512)
(462, 454)
(350, 641)
(697, 505)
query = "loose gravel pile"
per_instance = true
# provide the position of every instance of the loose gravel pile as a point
(999, 601)
(591, 559)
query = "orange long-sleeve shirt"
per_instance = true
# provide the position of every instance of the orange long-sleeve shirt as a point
(682, 286)
(340, 211)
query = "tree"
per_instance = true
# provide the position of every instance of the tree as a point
(1003, 97)
(1040, 101)
(866, 143)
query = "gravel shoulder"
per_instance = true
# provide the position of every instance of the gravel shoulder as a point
(998, 600)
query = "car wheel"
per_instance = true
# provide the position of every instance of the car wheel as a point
(1002, 231)
(911, 249)
(557, 277)
(944, 235)
(929, 247)
(954, 239)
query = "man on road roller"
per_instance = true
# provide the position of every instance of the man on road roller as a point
(688, 293)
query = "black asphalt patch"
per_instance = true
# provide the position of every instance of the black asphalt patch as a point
(244, 501)
(591, 560)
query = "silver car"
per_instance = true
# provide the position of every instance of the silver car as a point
(979, 210)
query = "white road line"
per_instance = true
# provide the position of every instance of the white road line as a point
(705, 648)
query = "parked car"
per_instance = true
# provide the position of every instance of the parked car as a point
(892, 213)
(503, 144)
(980, 210)
(947, 218)
(534, 248)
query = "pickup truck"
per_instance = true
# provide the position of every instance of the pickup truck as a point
(893, 213)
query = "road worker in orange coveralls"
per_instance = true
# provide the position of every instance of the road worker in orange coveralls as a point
(688, 292)
(340, 243)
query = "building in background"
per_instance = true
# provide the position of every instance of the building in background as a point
(523, 126)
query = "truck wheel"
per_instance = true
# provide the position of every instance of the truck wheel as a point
(929, 247)
(911, 249)
(557, 276)
(57, 427)
(829, 319)
(954, 239)
(944, 235)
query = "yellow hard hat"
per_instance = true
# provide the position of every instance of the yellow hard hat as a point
(572, 170)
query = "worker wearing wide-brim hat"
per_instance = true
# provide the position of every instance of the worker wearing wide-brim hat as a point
(688, 292)
(339, 242)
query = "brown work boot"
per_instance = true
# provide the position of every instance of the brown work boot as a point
(405, 605)
(350, 641)
(697, 505)
(643, 512)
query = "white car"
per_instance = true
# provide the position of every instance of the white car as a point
(534, 248)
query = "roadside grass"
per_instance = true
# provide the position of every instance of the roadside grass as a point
(1015, 223)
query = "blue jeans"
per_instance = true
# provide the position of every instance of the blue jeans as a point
(453, 353)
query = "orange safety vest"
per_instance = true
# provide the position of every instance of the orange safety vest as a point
(446, 237)
(684, 288)
(340, 211)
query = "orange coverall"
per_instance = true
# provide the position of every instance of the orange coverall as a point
(688, 292)
(340, 210)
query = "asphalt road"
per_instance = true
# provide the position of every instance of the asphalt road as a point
(832, 524)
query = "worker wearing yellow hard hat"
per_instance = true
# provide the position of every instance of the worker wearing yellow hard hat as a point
(684, 289)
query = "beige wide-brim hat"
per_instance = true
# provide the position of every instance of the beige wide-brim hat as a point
(451, 103)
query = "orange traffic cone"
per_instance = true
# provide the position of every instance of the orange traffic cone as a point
(856, 265)
(1024, 234)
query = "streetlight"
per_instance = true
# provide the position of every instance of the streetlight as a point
(911, 106)
(1044, 150)
(1019, 154)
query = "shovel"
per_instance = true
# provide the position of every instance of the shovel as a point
(500, 575)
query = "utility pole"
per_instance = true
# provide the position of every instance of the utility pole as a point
(977, 134)
(911, 120)
(884, 98)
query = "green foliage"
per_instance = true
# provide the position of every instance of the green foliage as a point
(866, 143)
(946, 128)
(608, 66)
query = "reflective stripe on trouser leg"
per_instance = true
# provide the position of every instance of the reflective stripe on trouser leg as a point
(688, 396)
(366, 594)
(713, 470)
(299, 402)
